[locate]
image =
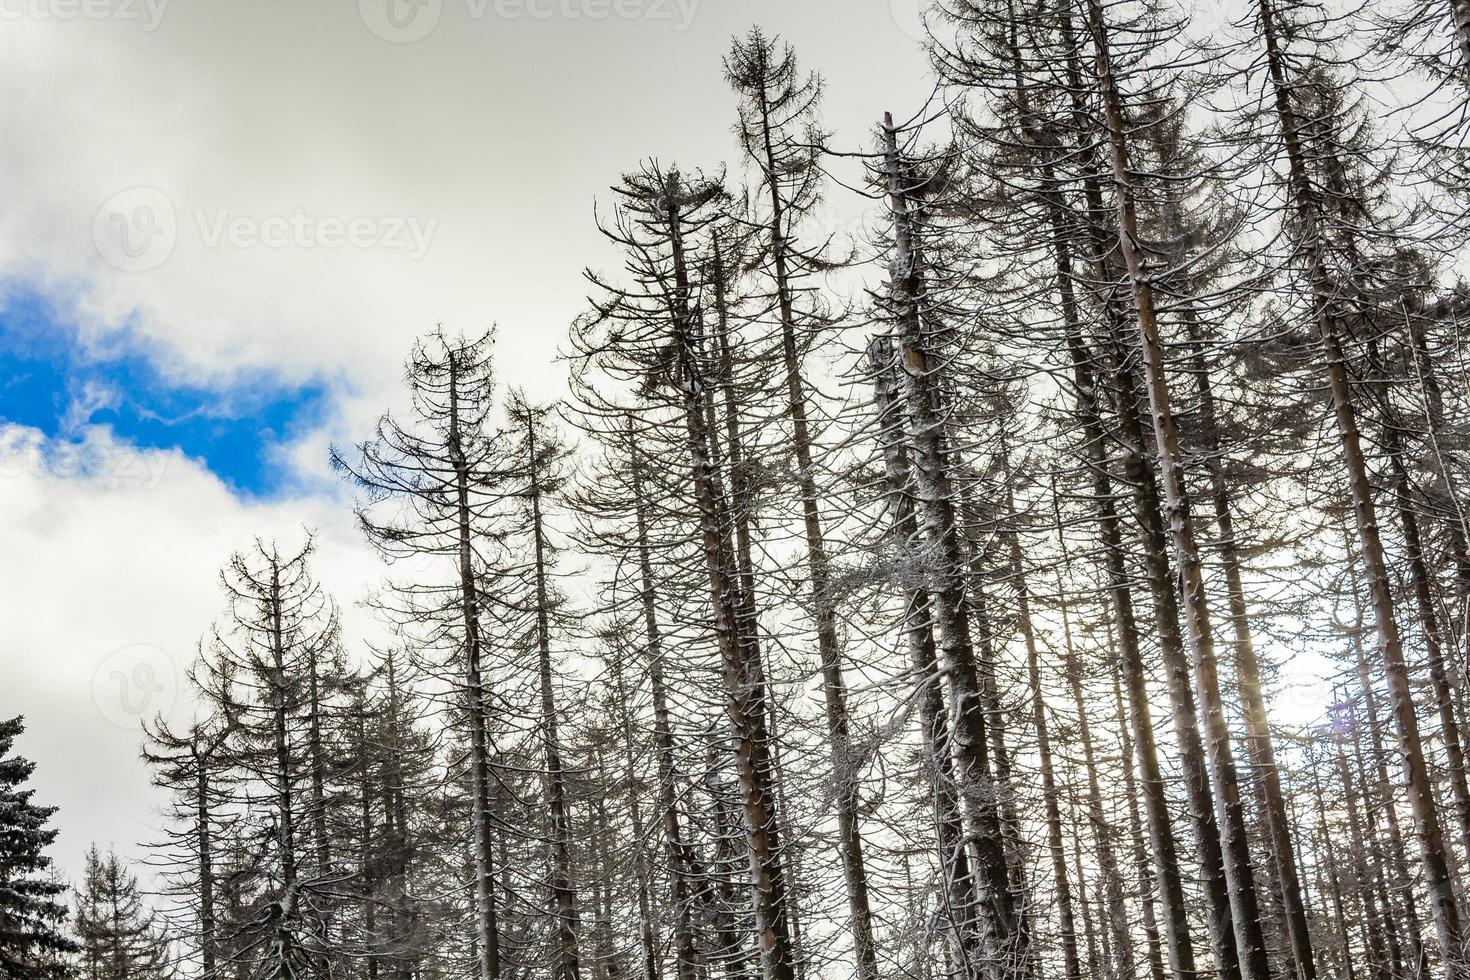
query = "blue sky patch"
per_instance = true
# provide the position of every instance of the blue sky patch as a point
(52, 381)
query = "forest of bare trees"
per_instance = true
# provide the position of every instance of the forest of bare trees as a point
(1067, 575)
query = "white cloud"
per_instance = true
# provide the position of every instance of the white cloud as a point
(373, 188)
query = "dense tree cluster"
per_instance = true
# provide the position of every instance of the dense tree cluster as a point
(908, 606)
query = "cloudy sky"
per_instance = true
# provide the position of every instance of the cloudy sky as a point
(223, 223)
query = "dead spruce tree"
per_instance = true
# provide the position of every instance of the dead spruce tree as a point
(648, 336)
(1030, 66)
(430, 492)
(254, 671)
(630, 513)
(190, 768)
(533, 474)
(969, 936)
(919, 304)
(779, 133)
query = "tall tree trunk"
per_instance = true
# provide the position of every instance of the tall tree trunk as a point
(1456, 523)
(563, 891)
(487, 930)
(1334, 885)
(1148, 890)
(1372, 928)
(1397, 858)
(1097, 966)
(1121, 966)
(747, 705)
(1460, 18)
(367, 873)
(957, 882)
(680, 856)
(1139, 474)
(1164, 853)
(281, 753)
(728, 906)
(941, 535)
(834, 687)
(648, 938)
(1421, 590)
(394, 803)
(204, 845)
(1066, 919)
(317, 755)
(1239, 874)
(995, 714)
(748, 620)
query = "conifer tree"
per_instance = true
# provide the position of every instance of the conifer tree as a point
(33, 940)
(117, 932)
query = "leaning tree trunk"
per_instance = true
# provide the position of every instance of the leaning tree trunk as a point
(1177, 942)
(1160, 580)
(941, 536)
(1239, 874)
(746, 706)
(1058, 216)
(970, 947)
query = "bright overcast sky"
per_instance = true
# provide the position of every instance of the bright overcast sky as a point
(223, 223)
